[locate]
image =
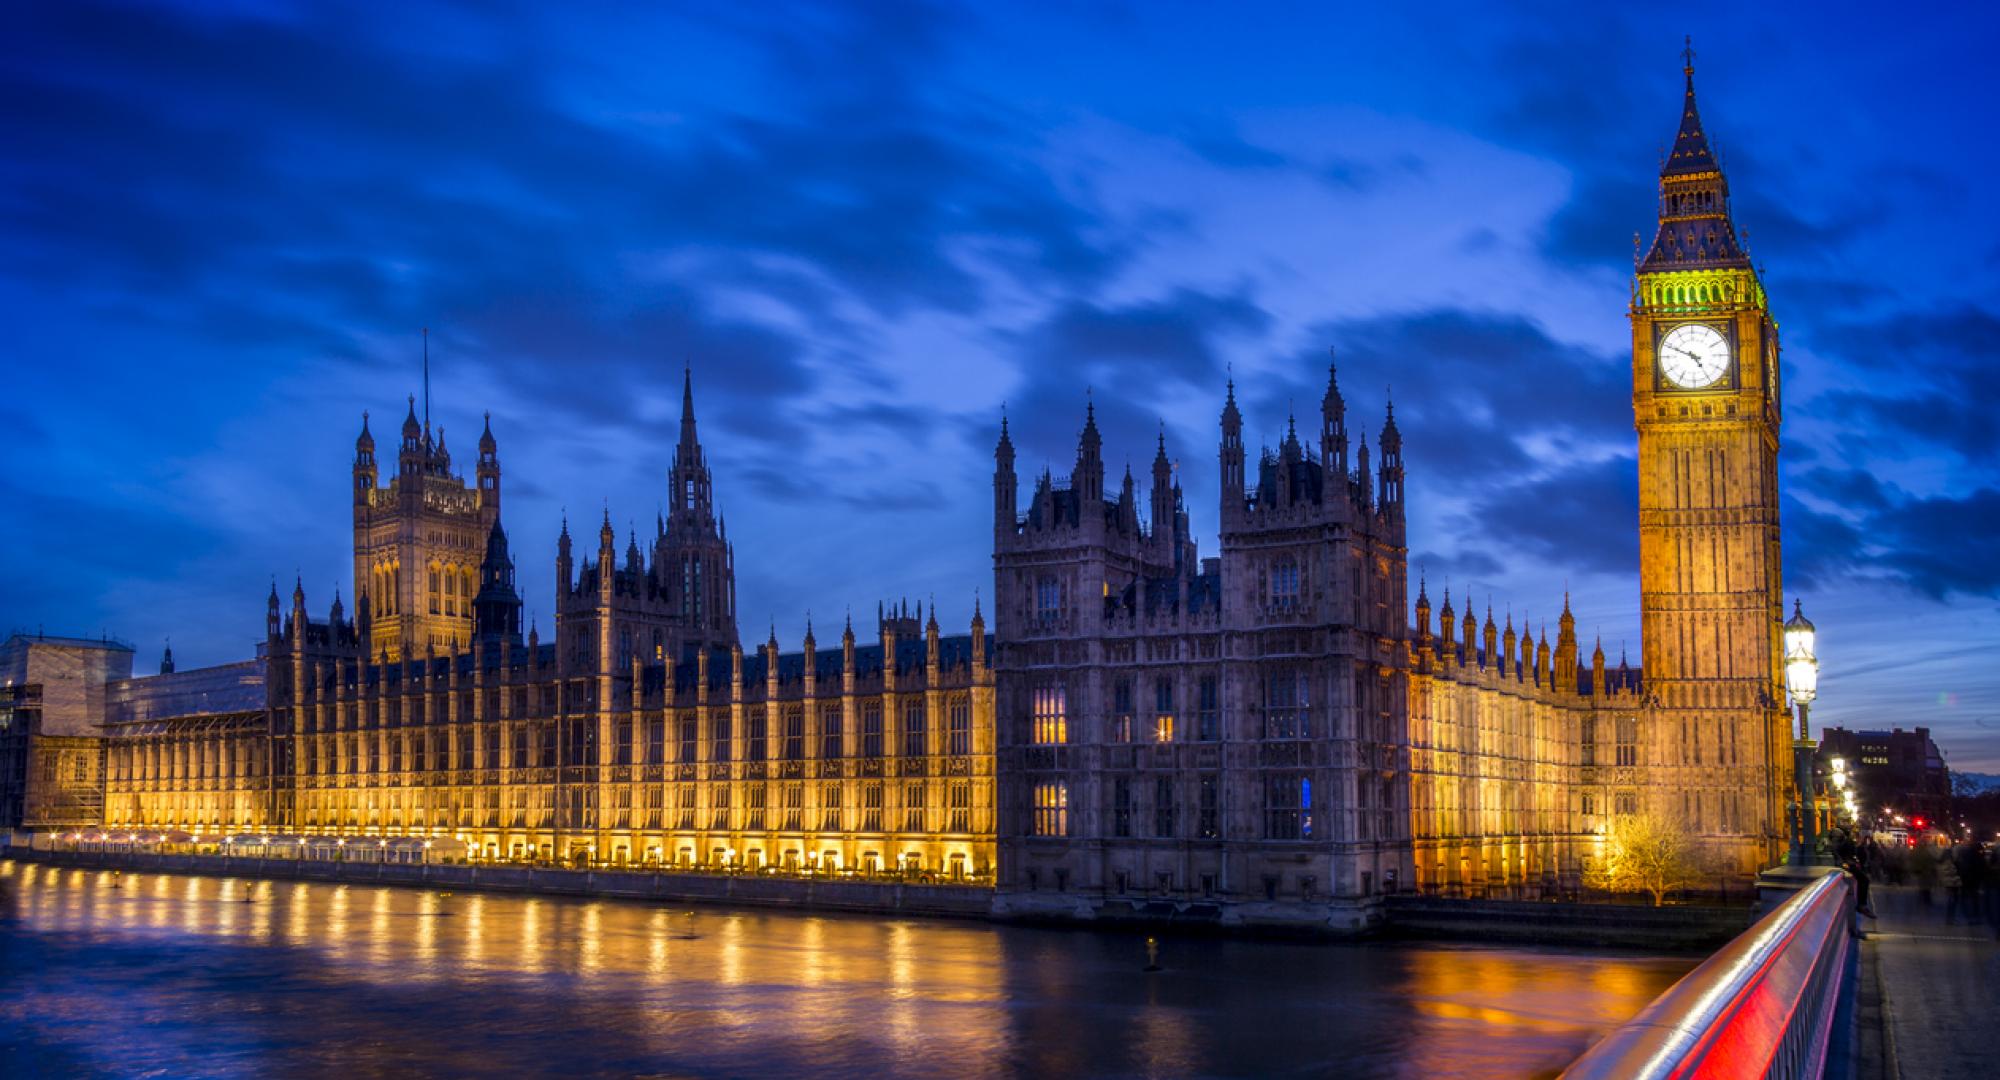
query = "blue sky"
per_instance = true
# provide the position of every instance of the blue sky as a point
(865, 228)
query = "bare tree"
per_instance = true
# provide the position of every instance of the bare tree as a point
(1649, 853)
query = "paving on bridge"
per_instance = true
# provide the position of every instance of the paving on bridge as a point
(1938, 984)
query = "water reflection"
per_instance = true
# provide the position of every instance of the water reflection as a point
(211, 976)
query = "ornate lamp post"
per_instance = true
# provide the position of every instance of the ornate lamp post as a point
(1802, 682)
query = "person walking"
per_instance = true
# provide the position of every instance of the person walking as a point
(1924, 868)
(1970, 865)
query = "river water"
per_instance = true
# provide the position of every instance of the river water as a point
(163, 975)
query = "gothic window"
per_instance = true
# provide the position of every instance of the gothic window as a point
(1051, 809)
(913, 807)
(1048, 599)
(959, 803)
(832, 743)
(871, 807)
(794, 806)
(1208, 709)
(795, 733)
(1163, 806)
(755, 822)
(718, 807)
(688, 741)
(914, 729)
(1628, 741)
(1284, 584)
(434, 590)
(1288, 807)
(1287, 704)
(958, 732)
(719, 738)
(1121, 709)
(873, 729)
(1051, 715)
(1163, 709)
(829, 809)
(1121, 807)
(1589, 733)
(757, 742)
(1210, 821)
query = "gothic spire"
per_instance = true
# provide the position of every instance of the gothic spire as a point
(1695, 231)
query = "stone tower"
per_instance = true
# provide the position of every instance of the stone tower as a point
(419, 540)
(1705, 401)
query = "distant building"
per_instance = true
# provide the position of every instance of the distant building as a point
(52, 693)
(1894, 768)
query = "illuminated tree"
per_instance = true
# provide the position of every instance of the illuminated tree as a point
(1648, 853)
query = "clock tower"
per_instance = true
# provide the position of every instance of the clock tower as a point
(1705, 400)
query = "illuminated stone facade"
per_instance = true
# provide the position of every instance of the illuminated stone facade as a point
(419, 540)
(1715, 733)
(643, 734)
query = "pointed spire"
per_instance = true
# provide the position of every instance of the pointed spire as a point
(1695, 230)
(1691, 152)
(486, 442)
(687, 406)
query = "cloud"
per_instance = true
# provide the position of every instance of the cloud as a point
(1481, 396)
(1579, 518)
(1941, 361)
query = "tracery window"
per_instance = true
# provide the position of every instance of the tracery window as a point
(1051, 715)
(1288, 807)
(1287, 704)
(1051, 809)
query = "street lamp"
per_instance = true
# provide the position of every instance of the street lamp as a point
(1802, 682)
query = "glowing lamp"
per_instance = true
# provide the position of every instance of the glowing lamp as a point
(1801, 662)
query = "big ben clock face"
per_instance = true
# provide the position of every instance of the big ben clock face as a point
(1694, 356)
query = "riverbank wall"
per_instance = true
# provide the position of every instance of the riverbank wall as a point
(1674, 927)
(734, 890)
(1524, 922)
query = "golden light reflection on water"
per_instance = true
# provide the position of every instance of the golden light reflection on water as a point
(413, 980)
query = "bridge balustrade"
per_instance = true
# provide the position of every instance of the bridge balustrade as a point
(1762, 1006)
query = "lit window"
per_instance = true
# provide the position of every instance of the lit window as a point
(1051, 719)
(1052, 809)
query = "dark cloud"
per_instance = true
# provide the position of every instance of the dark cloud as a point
(1579, 518)
(1125, 355)
(1933, 546)
(1471, 389)
(1465, 567)
(1941, 362)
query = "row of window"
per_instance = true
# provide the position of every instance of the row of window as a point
(1287, 708)
(762, 808)
(1288, 808)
